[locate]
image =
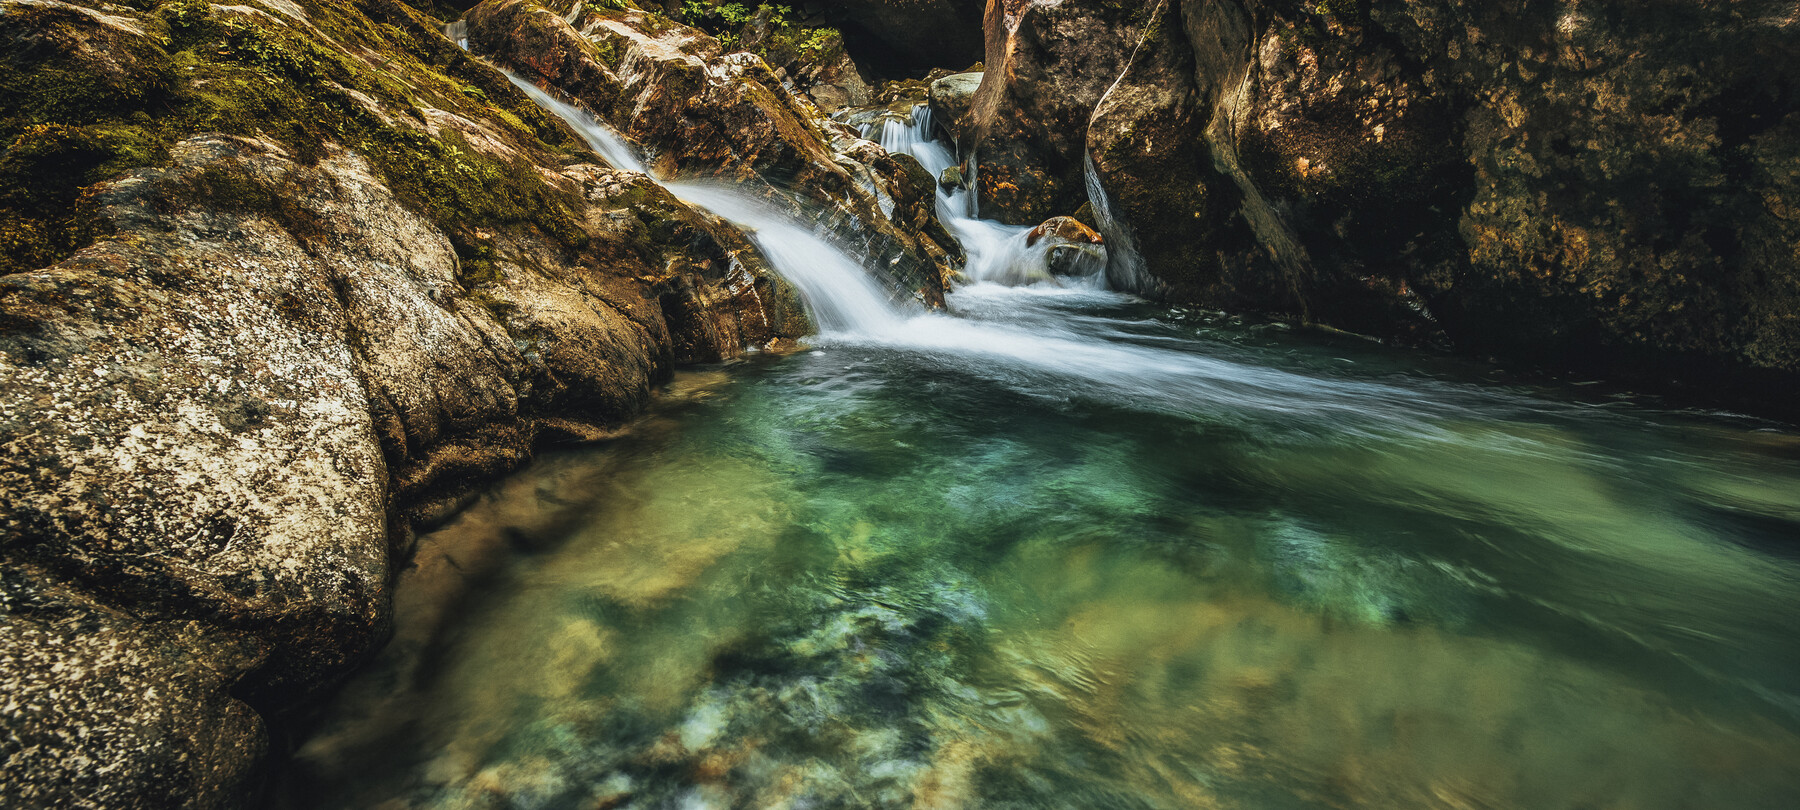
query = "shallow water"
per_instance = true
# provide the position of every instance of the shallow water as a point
(1070, 550)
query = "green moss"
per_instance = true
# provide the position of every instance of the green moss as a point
(786, 44)
(87, 102)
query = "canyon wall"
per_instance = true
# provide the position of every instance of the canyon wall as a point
(1595, 185)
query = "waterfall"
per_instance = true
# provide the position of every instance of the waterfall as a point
(458, 32)
(600, 138)
(841, 296)
(1124, 264)
(1027, 337)
(997, 253)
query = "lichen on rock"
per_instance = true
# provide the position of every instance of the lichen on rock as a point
(306, 275)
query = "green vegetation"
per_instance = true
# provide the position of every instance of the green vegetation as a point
(769, 31)
(90, 101)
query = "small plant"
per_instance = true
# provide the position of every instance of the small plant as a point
(597, 6)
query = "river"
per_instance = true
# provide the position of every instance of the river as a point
(1058, 547)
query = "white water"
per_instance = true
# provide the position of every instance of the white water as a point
(602, 139)
(997, 253)
(841, 296)
(1037, 339)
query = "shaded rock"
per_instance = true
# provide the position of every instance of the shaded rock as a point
(952, 178)
(1604, 187)
(1048, 65)
(838, 83)
(1085, 215)
(910, 37)
(1168, 208)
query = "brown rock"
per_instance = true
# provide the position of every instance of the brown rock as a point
(671, 90)
(1606, 187)
(1064, 229)
(1048, 65)
(274, 355)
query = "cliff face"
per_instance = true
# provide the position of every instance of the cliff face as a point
(1606, 185)
(282, 280)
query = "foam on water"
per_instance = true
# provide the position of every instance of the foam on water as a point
(1046, 354)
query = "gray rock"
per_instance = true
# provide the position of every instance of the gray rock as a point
(951, 98)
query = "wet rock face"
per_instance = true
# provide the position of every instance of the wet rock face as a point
(1607, 185)
(1070, 247)
(222, 415)
(1048, 66)
(699, 112)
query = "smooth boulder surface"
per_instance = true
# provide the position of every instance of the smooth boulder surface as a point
(268, 355)
(951, 98)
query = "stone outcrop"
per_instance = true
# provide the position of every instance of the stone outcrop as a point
(325, 306)
(1607, 186)
(951, 99)
(1048, 65)
(699, 112)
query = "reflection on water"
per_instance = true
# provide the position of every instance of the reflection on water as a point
(930, 572)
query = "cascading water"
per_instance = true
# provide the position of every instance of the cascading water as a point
(1065, 548)
(997, 253)
(1025, 336)
(841, 296)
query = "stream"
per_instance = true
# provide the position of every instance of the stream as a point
(1058, 547)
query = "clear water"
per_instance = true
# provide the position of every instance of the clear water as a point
(1067, 550)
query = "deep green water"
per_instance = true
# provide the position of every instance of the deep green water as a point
(1107, 556)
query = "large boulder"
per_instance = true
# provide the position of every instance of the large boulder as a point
(1048, 65)
(1607, 186)
(700, 112)
(263, 356)
(951, 99)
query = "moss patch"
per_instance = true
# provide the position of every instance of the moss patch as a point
(83, 101)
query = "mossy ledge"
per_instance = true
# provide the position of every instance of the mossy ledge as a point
(281, 281)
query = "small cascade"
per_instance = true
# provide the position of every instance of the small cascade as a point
(998, 254)
(1124, 264)
(458, 32)
(841, 296)
(608, 144)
